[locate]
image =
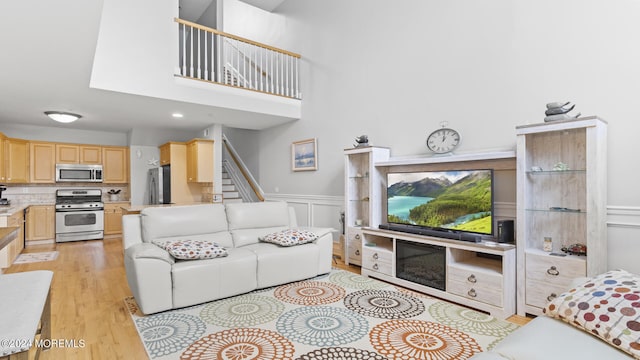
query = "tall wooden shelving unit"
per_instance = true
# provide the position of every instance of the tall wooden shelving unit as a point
(364, 187)
(566, 205)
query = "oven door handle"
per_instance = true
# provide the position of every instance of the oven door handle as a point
(80, 210)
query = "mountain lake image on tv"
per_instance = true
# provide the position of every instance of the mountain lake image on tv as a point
(460, 200)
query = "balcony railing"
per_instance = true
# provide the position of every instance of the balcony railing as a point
(211, 55)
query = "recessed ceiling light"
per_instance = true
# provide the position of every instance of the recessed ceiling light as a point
(63, 117)
(177, 115)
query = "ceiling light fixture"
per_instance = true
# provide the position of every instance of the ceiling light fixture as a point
(63, 117)
(177, 115)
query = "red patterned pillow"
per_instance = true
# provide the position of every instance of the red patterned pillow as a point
(290, 237)
(193, 249)
(608, 306)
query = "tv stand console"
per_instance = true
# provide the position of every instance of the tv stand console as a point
(480, 275)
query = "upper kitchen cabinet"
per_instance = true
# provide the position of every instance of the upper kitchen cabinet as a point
(78, 154)
(3, 138)
(91, 154)
(115, 164)
(16, 160)
(200, 160)
(42, 159)
(165, 153)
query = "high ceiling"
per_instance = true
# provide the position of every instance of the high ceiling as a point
(46, 61)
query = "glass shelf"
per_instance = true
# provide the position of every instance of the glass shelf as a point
(557, 211)
(358, 177)
(557, 172)
(359, 200)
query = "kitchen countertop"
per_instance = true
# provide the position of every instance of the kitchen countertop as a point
(7, 235)
(136, 209)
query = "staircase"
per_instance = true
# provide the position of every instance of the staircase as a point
(229, 192)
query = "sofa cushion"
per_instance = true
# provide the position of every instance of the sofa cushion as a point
(289, 237)
(607, 306)
(280, 265)
(192, 249)
(257, 215)
(547, 338)
(196, 222)
(199, 281)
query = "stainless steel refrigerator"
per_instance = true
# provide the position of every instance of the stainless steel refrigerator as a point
(159, 185)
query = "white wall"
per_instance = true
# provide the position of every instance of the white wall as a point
(57, 134)
(395, 72)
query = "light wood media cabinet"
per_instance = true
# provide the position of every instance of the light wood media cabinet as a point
(484, 283)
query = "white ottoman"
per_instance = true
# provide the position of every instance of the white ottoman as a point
(25, 303)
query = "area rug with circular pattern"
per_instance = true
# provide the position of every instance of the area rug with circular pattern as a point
(340, 315)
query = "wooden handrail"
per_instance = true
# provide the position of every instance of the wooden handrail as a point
(244, 173)
(211, 30)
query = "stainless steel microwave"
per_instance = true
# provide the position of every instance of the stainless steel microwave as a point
(78, 173)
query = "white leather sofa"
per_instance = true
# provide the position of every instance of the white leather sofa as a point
(546, 338)
(160, 282)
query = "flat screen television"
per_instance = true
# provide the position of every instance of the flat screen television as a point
(455, 201)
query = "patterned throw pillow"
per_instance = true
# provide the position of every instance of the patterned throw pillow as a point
(290, 237)
(608, 306)
(193, 249)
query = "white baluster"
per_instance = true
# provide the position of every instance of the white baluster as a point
(217, 57)
(287, 74)
(298, 96)
(272, 73)
(206, 57)
(184, 50)
(191, 51)
(199, 58)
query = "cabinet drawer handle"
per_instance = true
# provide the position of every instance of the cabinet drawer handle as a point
(552, 296)
(553, 271)
(358, 252)
(472, 293)
(375, 266)
(472, 279)
(357, 237)
(375, 256)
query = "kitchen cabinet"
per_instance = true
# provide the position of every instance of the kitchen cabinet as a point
(176, 156)
(90, 154)
(78, 154)
(42, 160)
(200, 160)
(67, 154)
(3, 139)
(10, 252)
(113, 217)
(40, 222)
(165, 153)
(115, 164)
(16, 160)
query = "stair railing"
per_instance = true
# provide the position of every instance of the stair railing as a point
(247, 186)
(205, 52)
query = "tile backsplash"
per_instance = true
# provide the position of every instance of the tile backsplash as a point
(46, 194)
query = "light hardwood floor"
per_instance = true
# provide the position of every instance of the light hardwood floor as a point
(88, 289)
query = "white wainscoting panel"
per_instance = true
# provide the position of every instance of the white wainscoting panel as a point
(623, 226)
(314, 210)
(623, 223)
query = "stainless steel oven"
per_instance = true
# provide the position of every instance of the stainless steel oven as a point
(79, 215)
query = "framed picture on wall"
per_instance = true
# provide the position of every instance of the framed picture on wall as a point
(304, 155)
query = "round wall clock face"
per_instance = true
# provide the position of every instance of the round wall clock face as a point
(443, 140)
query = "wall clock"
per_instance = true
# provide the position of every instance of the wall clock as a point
(443, 140)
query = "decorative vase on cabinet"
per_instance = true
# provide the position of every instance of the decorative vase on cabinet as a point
(562, 195)
(364, 186)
